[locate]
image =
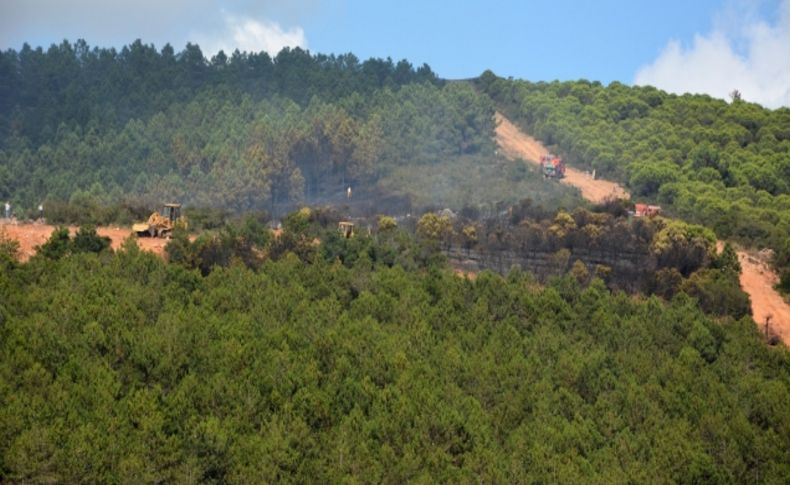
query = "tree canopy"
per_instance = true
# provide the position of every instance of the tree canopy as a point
(119, 367)
(726, 165)
(96, 127)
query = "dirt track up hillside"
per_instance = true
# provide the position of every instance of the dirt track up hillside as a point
(516, 144)
(756, 278)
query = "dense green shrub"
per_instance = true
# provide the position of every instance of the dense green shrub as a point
(60, 243)
(128, 369)
(718, 292)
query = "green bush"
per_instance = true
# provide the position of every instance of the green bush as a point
(718, 292)
(126, 368)
(61, 244)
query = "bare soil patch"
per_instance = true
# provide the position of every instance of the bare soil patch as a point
(516, 144)
(758, 280)
(31, 235)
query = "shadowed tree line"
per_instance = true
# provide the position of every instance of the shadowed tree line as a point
(104, 88)
(639, 255)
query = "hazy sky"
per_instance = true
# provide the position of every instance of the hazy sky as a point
(710, 46)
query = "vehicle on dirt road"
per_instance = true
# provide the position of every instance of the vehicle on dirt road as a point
(552, 166)
(162, 223)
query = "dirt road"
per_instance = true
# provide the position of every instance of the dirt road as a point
(31, 235)
(758, 281)
(516, 144)
(756, 278)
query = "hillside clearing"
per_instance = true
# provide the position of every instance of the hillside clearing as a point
(515, 144)
(31, 235)
(758, 280)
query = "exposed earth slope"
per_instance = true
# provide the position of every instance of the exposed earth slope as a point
(758, 280)
(31, 235)
(516, 144)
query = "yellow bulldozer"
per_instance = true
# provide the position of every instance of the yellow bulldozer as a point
(162, 223)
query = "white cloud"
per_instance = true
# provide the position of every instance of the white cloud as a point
(251, 35)
(753, 57)
(213, 24)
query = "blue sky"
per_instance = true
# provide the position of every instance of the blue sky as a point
(708, 46)
(547, 39)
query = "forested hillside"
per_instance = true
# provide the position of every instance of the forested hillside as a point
(103, 89)
(97, 126)
(726, 165)
(245, 356)
(383, 368)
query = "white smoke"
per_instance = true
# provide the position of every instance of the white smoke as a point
(751, 56)
(251, 35)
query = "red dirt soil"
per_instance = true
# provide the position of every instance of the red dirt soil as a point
(31, 235)
(516, 144)
(758, 280)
